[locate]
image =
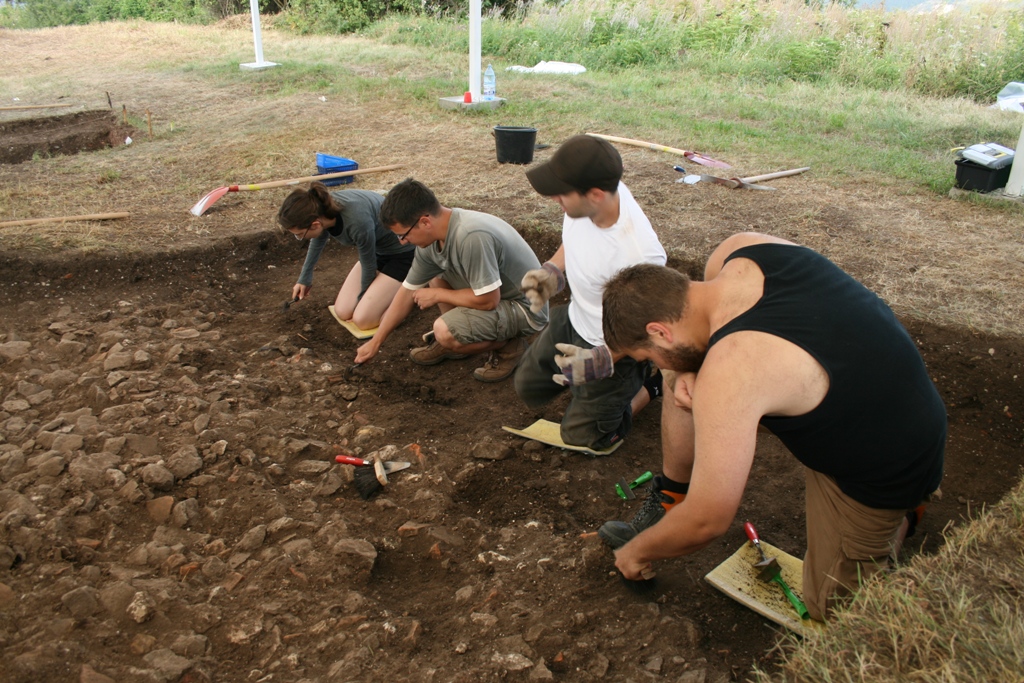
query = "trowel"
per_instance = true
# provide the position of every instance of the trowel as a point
(769, 570)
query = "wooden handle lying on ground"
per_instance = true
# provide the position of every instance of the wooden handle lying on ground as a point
(311, 178)
(67, 219)
(33, 106)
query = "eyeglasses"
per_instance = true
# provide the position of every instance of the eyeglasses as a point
(405, 234)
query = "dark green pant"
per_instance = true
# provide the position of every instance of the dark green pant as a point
(599, 413)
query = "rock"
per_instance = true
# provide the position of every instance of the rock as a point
(694, 676)
(245, 627)
(185, 333)
(114, 444)
(142, 608)
(7, 557)
(159, 509)
(330, 484)
(541, 672)
(67, 443)
(157, 477)
(7, 596)
(511, 662)
(214, 568)
(252, 539)
(82, 602)
(167, 665)
(313, 466)
(116, 597)
(185, 462)
(484, 620)
(185, 513)
(116, 361)
(356, 559)
(142, 643)
(116, 377)
(49, 464)
(15, 350)
(190, 645)
(91, 469)
(68, 349)
(689, 632)
(489, 449)
(15, 405)
(58, 379)
(654, 664)
(90, 675)
(598, 666)
(143, 445)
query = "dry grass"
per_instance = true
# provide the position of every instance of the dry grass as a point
(953, 617)
(950, 262)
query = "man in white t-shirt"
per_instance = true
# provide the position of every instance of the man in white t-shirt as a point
(603, 231)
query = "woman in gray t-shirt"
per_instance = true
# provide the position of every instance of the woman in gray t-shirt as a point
(352, 218)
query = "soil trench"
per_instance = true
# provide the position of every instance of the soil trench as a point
(170, 509)
(84, 131)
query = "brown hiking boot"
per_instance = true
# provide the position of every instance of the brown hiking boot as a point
(432, 354)
(502, 363)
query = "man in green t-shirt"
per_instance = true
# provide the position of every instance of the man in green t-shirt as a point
(470, 265)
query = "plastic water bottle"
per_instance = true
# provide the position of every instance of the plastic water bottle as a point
(489, 86)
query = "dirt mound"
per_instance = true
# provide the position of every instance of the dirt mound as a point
(170, 509)
(83, 131)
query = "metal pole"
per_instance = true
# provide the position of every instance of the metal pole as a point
(257, 39)
(474, 49)
(1016, 181)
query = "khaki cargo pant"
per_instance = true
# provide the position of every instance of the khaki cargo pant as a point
(846, 543)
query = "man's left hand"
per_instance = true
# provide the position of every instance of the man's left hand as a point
(579, 365)
(426, 297)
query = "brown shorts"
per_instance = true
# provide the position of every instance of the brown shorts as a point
(847, 542)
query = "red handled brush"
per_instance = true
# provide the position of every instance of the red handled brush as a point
(370, 477)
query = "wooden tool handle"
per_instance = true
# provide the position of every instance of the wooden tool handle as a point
(311, 178)
(640, 143)
(778, 174)
(67, 219)
(34, 106)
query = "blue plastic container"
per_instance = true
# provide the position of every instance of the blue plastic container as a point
(326, 163)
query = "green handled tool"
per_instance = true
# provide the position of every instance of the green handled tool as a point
(771, 571)
(624, 489)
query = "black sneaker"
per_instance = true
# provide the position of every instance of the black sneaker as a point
(658, 501)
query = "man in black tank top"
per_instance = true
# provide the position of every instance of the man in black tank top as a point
(779, 336)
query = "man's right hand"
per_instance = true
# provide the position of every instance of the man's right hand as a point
(300, 292)
(366, 352)
(541, 284)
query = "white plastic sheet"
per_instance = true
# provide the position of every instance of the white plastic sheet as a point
(1011, 98)
(549, 68)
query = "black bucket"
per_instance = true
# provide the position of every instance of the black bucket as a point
(514, 145)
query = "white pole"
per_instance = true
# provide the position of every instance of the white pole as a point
(474, 49)
(1016, 181)
(257, 39)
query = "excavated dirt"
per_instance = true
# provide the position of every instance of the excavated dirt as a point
(170, 509)
(83, 131)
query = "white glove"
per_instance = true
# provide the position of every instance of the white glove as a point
(580, 365)
(541, 284)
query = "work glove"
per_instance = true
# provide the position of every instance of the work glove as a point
(580, 366)
(541, 284)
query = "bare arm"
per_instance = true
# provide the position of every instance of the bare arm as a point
(400, 307)
(465, 298)
(737, 241)
(558, 258)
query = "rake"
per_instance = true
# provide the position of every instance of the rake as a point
(210, 197)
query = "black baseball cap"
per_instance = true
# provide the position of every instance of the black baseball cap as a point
(581, 163)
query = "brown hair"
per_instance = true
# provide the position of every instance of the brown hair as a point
(638, 295)
(407, 202)
(302, 207)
